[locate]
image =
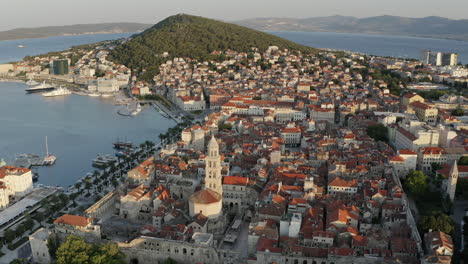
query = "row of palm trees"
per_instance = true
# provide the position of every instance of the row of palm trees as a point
(113, 174)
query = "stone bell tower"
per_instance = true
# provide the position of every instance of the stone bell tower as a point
(213, 179)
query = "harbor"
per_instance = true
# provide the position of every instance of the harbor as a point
(78, 128)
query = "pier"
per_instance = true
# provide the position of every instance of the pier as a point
(161, 109)
(28, 160)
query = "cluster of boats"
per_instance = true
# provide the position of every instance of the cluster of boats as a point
(50, 91)
(103, 160)
(124, 148)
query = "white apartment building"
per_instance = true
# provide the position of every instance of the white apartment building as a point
(14, 182)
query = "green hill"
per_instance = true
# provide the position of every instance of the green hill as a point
(194, 37)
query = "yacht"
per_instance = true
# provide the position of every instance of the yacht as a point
(40, 88)
(137, 110)
(57, 92)
(103, 160)
(31, 82)
(21, 46)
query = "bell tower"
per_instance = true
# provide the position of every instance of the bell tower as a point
(213, 179)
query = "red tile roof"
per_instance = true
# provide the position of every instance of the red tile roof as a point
(206, 196)
(10, 170)
(234, 180)
(74, 220)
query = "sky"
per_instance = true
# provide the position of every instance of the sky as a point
(35, 13)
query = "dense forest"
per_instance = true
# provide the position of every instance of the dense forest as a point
(194, 37)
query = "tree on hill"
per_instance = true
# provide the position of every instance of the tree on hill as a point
(437, 221)
(378, 132)
(76, 251)
(416, 182)
(193, 37)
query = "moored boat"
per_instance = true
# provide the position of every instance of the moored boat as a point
(40, 88)
(57, 92)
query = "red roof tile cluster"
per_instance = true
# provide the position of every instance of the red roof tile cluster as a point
(74, 220)
(10, 170)
(235, 180)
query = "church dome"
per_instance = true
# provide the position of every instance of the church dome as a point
(206, 196)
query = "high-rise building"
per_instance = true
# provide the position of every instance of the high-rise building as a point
(60, 67)
(439, 58)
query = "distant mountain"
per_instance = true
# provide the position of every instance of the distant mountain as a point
(436, 27)
(194, 37)
(43, 32)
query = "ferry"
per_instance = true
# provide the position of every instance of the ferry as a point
(40, 88)
(57, 92)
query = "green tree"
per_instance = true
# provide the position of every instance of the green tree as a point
(17, 261)
(225, 126)
(108, 254)
(9, 235)
(378, 132)
(435, 166)
(458, 112)
(169, 261)
(437, 221)
(76, 251)
(416, 182)
(463, 160)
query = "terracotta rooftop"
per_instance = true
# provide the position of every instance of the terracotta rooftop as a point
(10, 170)
(74, 220)
(206, 196)
(235, 180)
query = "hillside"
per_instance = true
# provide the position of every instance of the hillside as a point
(194, 37)
(43, 32)
(436, 27)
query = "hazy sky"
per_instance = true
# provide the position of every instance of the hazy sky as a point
(34, 13)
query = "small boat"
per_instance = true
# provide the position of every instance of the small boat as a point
(122, 145)
(94, 95)
(35, 177)
(31, 82)
(137, 110)
(49, 159)
(106, 95)
(21, 46)
(103, 160)
(121, 154)
(57, 92)
(40, 88)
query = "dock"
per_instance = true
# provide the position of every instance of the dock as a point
(28, 161)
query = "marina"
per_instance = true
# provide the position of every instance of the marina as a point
(78, 127)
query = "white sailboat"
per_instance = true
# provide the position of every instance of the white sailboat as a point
(49, 159)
